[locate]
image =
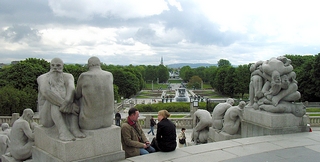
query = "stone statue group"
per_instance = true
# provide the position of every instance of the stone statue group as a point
(273, 88)
(64, 107)
(225, 117)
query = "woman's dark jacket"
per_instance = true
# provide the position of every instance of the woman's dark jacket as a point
(166, 135)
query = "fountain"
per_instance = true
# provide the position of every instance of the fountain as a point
(181, 95)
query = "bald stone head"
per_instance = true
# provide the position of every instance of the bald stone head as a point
(93, 62)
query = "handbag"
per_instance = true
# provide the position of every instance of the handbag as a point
(182, 141)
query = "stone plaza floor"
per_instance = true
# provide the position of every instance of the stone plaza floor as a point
(297, 147)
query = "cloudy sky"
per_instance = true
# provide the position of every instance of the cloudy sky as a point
(140, 32)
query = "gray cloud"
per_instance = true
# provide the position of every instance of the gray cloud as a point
(16, 33)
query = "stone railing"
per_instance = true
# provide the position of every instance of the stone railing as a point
(180, 122)
(314, 121)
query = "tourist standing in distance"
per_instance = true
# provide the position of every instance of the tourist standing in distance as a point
(166, 133)
(152, 124)
(182, 138)
(117, 117)
(134, 142)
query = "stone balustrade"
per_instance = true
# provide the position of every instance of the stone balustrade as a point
(180, 122)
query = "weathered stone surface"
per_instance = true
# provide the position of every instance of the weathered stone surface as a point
(216, 135)
(99, 144)
(259, 123)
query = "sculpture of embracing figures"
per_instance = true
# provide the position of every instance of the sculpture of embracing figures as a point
(273, 87)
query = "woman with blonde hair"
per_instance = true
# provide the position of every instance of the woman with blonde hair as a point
(165, 139)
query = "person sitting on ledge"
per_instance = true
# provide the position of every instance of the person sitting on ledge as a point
(165, 139)
(134, 142)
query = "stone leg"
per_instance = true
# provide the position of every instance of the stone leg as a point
(64, 133)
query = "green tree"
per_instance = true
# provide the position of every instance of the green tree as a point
(316, 77)
(219, 79)
(223, 62)
(12, 100)
(195, 82)
(229, 82)
(186, 73)
(127, 83)
(163, 73)
(242, 79)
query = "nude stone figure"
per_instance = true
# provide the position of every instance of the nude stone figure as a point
(279, 89)
(22, 137)
(56, 101)
(95, 93)
(218, 113)
(203, 121)
(233, 118)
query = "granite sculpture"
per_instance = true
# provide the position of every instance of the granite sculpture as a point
(56, 102)
(233, 118)
(203, 120)
(219, 112)
(95, 94)
(273, 87)
(22, 137)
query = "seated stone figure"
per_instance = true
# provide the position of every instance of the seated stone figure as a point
(5, 129)
(95, 93)
(218, 113)
(233, 118)
(56, 101)
(4, 138)
(22, 137)
(203, 121)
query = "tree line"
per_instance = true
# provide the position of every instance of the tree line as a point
(19, 88)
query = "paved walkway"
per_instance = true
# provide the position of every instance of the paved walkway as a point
(298, 147)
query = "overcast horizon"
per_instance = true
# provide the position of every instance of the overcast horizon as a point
(140, 32)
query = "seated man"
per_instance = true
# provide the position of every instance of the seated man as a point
(134, 142)
(22, 137)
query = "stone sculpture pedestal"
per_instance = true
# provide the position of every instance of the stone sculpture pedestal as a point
(215, 135)
(99, 145)
(260, 123)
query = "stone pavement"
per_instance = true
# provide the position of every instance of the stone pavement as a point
(298, 147)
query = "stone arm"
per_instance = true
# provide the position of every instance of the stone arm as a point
(27, 130)
(264, 75)
(79, 87)
(67, 106)
(44, 89)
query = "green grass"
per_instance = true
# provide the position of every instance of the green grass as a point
(313, 110)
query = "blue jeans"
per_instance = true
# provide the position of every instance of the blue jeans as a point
(148, 150)
(151, 130)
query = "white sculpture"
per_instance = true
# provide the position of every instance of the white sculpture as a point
(95, 93)
(273, 87)
(202, 119)
(22, 137)
(56, 101)
(233, 118)
(218, 113)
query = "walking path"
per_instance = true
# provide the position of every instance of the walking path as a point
(298, 147)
